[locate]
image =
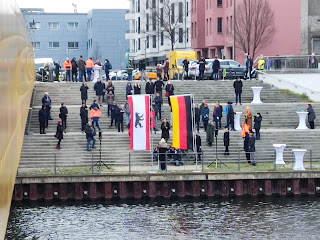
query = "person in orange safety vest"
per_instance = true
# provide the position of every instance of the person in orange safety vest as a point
(67, 66)
(95, 115)
(90, 65)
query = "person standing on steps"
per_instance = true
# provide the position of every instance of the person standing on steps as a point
(127, 110)
(119, 119)
(90, 136)
(150, 87)
(74, 70)
(155, 109)
(63, 116)
(252, 148)
(166, 70)
(246, 147)
(230, 116)
(110, 100)
(84, 116)
(199, 147)
(46, 101)
(107, 68)
(95, 115)
(67, 66)
(257, 125)
(59, 134)
(237, 85)
(110, 87)
(129, 89)
(162, 148)
(249, 65)
(90, 65)
(226, 141)
(142, 69)
(159, 71)
(202, 66)
(169, 92)
(205, 116)
(98, 87)
(185, 68)
(137, 88)
(217, 115)
(311, 116)
(94, 105)
(158, 86)
(248, 117)
(82, 69)
(42, 119)
(197, 114)
(210, 133)
(84, 92)
(114, 112)
(216, 68)
(165, 127)
(158, 101)
(57, 70)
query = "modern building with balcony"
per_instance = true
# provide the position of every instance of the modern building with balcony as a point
(147, 35)
(297, 28)
(99, 34)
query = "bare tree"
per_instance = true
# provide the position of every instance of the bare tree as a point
(167, 21)
(254, 25)
(96, 54)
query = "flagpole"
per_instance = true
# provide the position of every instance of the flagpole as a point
(151, 138)
(193, 135)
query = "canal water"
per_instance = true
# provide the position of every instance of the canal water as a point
(245, 218)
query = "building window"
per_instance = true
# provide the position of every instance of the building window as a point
(154, 41)
(161, 38)
(219, 3)
(139, 44)
(147, 22)
(147, 42)
(227, 3)
(180, 12)
(180, 35)
(187, 11)
(34, 25)
(53, 25)
(231, 24)
(153, 3)
(73, 25)
(53, 45)
(219, 25)
(231, 3)
(227, 25)
(147, 4)
(161, 17)
(195, 30)
(187, 34)
(172, 13)
(154, 22)
(36, 45)
(206, 4)
(138, 6)
(210, 27)
(138, 24)
(74, 45)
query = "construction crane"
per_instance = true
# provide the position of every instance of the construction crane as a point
(75, 10)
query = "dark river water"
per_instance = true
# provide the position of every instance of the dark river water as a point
(245, 218)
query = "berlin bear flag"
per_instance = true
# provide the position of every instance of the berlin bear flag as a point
(140, 122)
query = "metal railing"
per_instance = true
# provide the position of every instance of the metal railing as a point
(292, 62)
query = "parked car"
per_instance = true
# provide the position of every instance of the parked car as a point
(118, 75)
(151, 73)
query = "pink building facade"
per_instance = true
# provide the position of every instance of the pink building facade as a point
(212, 29)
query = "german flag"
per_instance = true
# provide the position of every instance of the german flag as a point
(182, 122)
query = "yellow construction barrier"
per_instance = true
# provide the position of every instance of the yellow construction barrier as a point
(17, 74)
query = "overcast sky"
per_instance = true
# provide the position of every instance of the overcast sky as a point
(66, 5)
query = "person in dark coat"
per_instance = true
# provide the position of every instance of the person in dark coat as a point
(110, 87)
(43, 119)
(158, 101)
(57, 68)
(217, 115)
(142, 69)
(90, 136)
(166, 70)
(107, 67)
(202, 66)
(249, 65)
(226, 141)
(162, 150)
(119, 118)
(46, 101)
(257, 125)
(170, 91)
(129, 90)
(216, 68)
(74, 70)
(94, 105)
(158, 86)
(186, 68)
(252, 148)
(197, 114)
(165, 127)
(59, 134)
(137, 88)
(63, 116)
(238, 89)
(199, 147)
(84, 92)
(110, 100)
(99, 88)
(150, 87)
(210, 133)
(114, 113)
(246, 147)
(311, 116)
(84, 116)
(230, 116)
(82, 69)
(205, 116)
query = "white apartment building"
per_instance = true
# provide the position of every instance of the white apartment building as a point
(148, 21)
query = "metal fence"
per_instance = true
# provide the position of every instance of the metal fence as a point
(292, 62)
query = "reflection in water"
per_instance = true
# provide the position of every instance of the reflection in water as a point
(247, 218)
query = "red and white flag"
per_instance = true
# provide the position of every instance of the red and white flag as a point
(140, 122)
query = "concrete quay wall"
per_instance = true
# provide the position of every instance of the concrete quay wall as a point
(165, 185)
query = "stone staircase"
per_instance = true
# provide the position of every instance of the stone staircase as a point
(278, 126)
